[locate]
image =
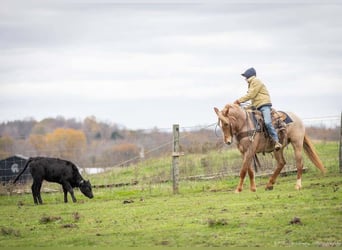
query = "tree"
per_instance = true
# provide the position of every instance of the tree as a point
(6, 146)
(116, 135)
(67, 143)
(91, 128)
(121, 153)
(38, 142)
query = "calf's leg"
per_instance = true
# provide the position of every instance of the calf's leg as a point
(65, 195)
(38, 193)
(36, 185)
(67, 188)
(34, 193)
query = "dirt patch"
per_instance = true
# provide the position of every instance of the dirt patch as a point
(10, 231)
(76, 216)
(296, 221)
(70, 225)
(48, 219)
(217, 222)
(128, 201)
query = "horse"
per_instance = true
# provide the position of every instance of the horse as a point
(237, 122)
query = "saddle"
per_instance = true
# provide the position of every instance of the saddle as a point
(279, 120)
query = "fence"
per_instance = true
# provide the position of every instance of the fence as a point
(198, 154)
(213, 162)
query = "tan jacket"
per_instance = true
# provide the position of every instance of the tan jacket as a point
(257, 93)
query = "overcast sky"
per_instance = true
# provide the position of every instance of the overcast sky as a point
(152, 63)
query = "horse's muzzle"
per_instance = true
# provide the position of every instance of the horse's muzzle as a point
(228, 142)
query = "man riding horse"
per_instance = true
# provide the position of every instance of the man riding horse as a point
(236, 122)
(261, 100)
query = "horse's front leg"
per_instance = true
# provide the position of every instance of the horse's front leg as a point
(251, 178)
(245, 167)
(242, 178)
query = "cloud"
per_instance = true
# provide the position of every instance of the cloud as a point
(98, 54)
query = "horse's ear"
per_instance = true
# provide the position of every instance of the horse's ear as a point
(225, 110)
(221, 115)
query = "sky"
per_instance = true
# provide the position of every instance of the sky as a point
(148, 63)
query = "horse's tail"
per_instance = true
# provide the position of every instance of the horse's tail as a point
(312, 154)
(23, 170)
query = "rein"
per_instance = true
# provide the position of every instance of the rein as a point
(217, 125)
(250, 133)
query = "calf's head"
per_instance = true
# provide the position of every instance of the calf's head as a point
(85, 188)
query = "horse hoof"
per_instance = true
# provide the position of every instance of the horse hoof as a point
(238, 190)
(298, 187)
(268, 188)
(253, 189)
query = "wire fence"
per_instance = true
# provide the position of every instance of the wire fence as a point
(210, 158)
(205, 157)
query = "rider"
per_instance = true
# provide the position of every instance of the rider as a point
(260, 98)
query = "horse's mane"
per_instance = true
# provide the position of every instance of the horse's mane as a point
(231, 110)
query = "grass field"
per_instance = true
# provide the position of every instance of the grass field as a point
(205, 213)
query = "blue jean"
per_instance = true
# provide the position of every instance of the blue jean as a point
(266, 112)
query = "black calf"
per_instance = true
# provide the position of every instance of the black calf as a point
(55, 170)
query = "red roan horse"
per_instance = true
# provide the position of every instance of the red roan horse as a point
(237, 122)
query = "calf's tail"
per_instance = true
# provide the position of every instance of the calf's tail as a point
(22, 171)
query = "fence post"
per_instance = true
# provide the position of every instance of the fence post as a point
(341, 145)
(175, 158)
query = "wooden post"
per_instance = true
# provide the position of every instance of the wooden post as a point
(175, 159)
(341, 145)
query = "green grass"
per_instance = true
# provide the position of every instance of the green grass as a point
(226, 161)
(205, 213)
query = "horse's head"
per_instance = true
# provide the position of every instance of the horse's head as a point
(225, 121)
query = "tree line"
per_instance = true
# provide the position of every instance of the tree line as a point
(91, 143)
(94, 143)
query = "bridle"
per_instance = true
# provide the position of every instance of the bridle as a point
(250, 133)
(218, 125)
(228, 124)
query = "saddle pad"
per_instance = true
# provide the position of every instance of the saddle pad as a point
(287, 119)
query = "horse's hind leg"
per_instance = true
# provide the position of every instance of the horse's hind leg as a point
(280, 164)
(299, 164)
